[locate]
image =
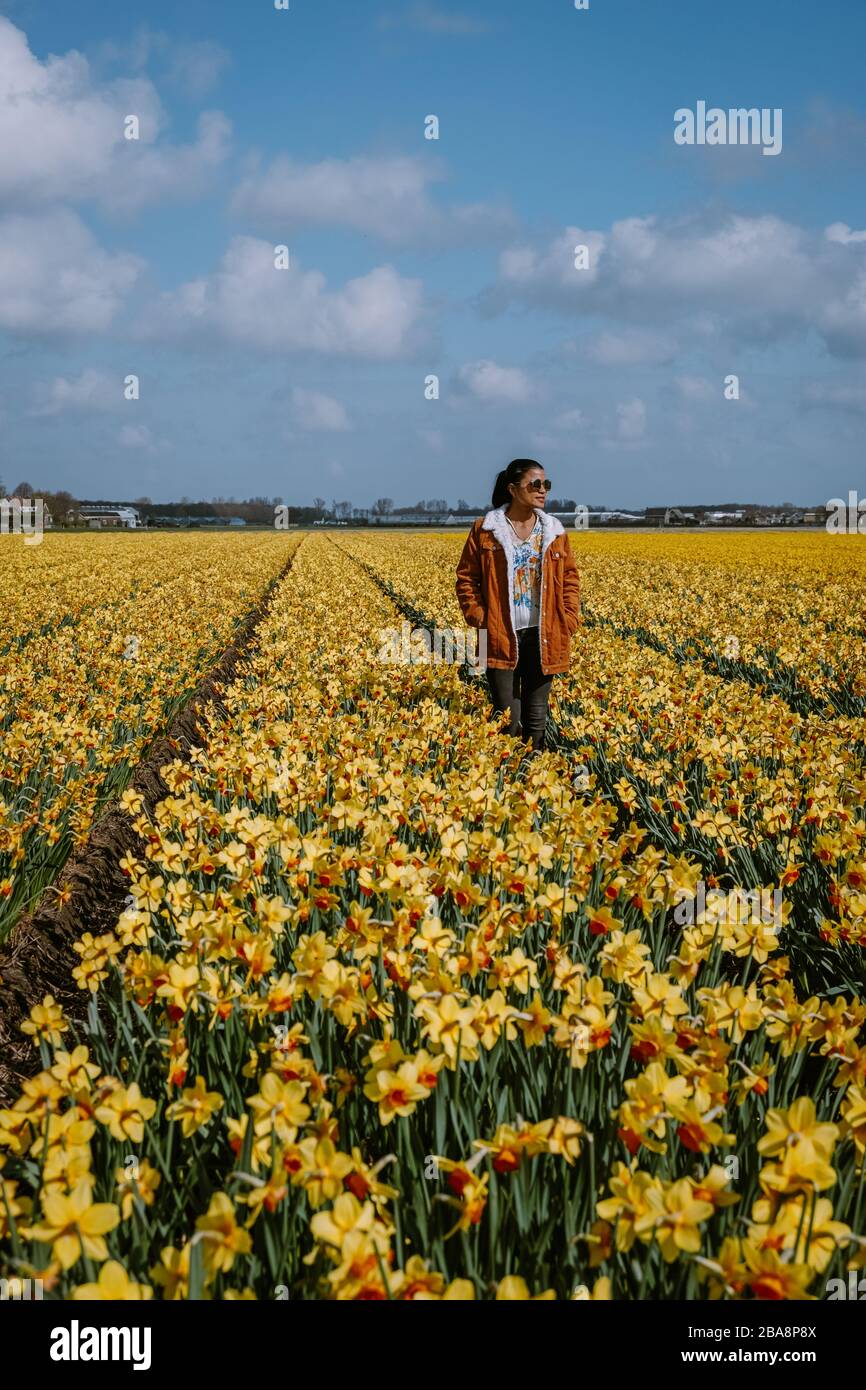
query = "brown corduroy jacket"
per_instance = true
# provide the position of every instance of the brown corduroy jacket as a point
(485, 589)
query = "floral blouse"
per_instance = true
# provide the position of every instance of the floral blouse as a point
(527, 579)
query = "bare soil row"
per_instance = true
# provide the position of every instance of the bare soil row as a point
(37, 958)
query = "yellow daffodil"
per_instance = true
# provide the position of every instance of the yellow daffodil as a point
(74, 1225)
(113, 1286)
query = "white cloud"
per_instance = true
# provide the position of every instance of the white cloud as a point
(524, 268)
(756, 278)
(55, 278)
(843, 320)
(634, 347)
(135, 437)
(696, 388)
(247, 301)
(543, 441)
(150, 173)
(371, 195)
(490, 382)
(848, 396)
(559, 434)
(631, 420)
(193, 65)
(840, 232)
(315, 411)
(141, 439)
(62, 134)
(570, 420)
(91, 390)
(196, 66)
(385, 197)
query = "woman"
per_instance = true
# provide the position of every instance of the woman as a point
(517, 579)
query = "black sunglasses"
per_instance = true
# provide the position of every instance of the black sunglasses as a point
(537, 484)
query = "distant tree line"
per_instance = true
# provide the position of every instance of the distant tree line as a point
(57, 504)
(254, 510)
(260, 510)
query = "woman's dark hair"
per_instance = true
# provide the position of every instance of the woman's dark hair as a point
(517, 469)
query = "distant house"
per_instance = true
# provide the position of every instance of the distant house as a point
(100, 516)
(669, 516)
(412, 518)
(613, 518)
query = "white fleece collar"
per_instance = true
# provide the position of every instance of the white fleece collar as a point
(496, 521)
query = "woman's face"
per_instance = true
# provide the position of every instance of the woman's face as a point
(529, 489)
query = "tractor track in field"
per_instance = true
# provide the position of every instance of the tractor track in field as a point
(37, 957)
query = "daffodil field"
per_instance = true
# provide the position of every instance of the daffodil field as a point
(395, 1011)
(98, 646)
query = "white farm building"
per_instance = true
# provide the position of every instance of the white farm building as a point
(98, 515)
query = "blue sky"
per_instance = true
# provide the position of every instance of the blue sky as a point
(411, 257)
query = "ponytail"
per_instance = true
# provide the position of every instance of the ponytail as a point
(516, 470)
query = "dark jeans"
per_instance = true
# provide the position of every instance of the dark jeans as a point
(525, 690)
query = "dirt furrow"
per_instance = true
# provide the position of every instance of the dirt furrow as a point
(37, 958)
